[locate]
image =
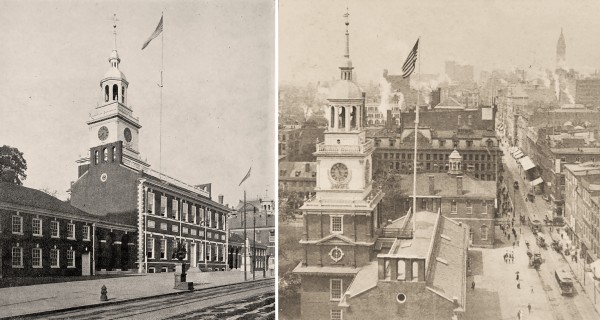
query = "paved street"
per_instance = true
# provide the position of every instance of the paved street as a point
(52, 298)
(254, 300)
(496, 284)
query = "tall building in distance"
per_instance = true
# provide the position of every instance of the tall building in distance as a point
(561, 50)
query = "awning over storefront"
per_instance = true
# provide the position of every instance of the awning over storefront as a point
(536, 181)
(526, 163)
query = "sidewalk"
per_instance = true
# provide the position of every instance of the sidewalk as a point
(24, 300)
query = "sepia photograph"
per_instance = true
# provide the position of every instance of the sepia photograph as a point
(438, 160)
(137, 163)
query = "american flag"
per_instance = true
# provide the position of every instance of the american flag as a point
(246, 177)
(159, 29)
(411, 60)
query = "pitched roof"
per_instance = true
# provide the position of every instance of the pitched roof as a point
(297, 170)
(445, 185)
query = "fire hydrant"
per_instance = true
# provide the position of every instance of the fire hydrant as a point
(103, 296)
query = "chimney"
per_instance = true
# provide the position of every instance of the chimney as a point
(389, 121)
(221, 199)
(431, 184)
(307, 167)
(459, 185)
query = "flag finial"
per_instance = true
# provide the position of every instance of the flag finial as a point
(347, 22)
(114, 19)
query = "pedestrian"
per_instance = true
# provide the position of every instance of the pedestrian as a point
(517, 276)
(518, 284)
(519, 315)
(505, 257)
(513, 244)
(509, 237)
(561, 235)
(517, 242)
(531, 289)
(529, 307)
(473, 285)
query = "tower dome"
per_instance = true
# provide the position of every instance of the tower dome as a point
(114, 83)
(455, 163)
(114, 72)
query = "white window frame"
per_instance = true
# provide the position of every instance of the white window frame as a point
(209, 252)
(163, 226)
(185, 230)
(209, 218)
(332, 297)
(163, 206)
(201, 248)
(485, 207)
(151, 203)
(184, 212)
(150, 248)
(186, 245)
(39, 227)
(36, 263)
(71, 256)
(174, 228)
(20, 257)
(202, 217)
(87, 235)
(70, 234)
(332, 223)
(194, 214)
(217, 219)
(57, 265)
(57, 229)
(20, 224)
(175, 207)
(469, 206)
(487, 231)
(453, 207)
(163, 249)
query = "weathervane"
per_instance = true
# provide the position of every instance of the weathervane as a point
(114, 19)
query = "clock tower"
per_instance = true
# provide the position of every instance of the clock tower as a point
(342, 221)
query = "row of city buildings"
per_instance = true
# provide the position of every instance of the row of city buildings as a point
(124, 216)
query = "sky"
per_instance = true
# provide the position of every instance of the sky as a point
(489, 34)
(218, 96)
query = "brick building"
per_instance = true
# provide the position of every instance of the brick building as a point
(299, 177)
(582, 208)
(587, 92)
(470, 132)
(114, 180)
(44, 236)
(348, 251)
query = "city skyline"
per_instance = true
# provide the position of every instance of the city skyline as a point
(218, 109)
(496, 36)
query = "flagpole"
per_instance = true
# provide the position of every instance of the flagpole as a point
(245, 246)
(415, 155)
(162, 61)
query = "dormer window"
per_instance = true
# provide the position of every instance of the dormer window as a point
(469, 143)
(297, 173)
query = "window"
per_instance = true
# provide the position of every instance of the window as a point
(36, 257)
(175, 207)
(185, 230)
(453, 207)
(469, 143)
(151, 202)
(70, 259)
(86, 233)
(163, 249)
(485, 207)
(106, 93)
(184, 213)
(104, 155)
(401, 270)
(150, 248)
(187, 250)
(194, 215)
(36, 226)
(217, 220)
(336, 224)
(17, 224)
(201, 250)
(114, 153)
(123, 94)
(17, 257)
(336, 314)
(163, 206)
(469, 207)
(194, 232)
(54, 229)
(209, 214)
(484, 233)
(54, 258)
(70, 231)
(163, 226)
(115, 92)
(208, 252)
(96, 158)
(442, 143)
(175, 228)
(335, 289)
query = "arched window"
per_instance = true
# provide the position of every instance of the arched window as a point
(415, 271)
(115, 96)
(96, 157)
(332, 122)
(401, 270)
(342, 119)
(106, 93)
(114, 153)
(388, 270)
(123, 95)
(104, 154)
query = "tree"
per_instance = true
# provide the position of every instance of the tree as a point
(12, 165)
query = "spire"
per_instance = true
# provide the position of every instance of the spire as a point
(114, 55)
(346, 68)
(346, 15)
(561, 48)
(114, 19)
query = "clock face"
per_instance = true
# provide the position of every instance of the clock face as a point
(127, 134)
(103, 133)
(339, 172)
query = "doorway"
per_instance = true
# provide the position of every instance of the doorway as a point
(86, 269)
(193, 258)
